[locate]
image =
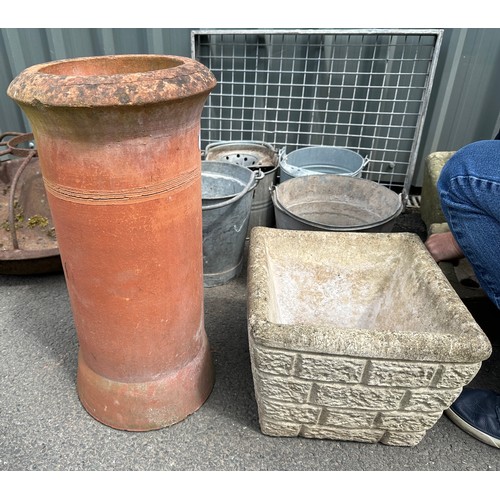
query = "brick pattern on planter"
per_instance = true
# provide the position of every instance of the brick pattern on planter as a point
(344, 398)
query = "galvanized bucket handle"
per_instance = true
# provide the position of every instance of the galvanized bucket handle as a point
(366, 160)
(225, 143)
(281, 155)
(252, 184)
(295, 171)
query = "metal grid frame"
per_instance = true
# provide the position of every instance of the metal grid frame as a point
(367, 90)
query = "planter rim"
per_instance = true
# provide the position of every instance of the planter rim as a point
(467, 344)
(88, 82)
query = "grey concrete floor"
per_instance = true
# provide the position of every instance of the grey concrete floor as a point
(44, 427)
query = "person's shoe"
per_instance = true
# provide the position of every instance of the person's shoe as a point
(477, 412)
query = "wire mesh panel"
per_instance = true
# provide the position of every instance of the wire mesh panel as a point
(366, 90)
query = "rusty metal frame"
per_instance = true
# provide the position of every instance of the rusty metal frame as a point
(18, 260)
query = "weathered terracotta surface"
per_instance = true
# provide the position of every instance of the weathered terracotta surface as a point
(118, 142)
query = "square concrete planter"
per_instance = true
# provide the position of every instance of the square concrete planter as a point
(355, 336)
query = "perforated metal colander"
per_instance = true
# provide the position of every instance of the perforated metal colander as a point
(247, 153)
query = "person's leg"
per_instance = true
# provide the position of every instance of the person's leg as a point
(469, 188)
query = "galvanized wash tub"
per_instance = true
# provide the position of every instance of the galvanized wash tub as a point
(335, 203)
(227, 191)
(259, 157)
(321, 160)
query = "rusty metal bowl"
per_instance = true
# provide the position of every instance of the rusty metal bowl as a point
(28, 243)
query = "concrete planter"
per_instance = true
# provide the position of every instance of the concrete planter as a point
(355, 336)
(430, 207)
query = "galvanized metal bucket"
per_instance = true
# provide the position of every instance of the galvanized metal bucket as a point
(257, 156)
(335, 203)
(227, 191)
(321, 160)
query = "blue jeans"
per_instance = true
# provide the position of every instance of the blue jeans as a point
(469, 188)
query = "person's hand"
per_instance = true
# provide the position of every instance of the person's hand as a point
(443, 247)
